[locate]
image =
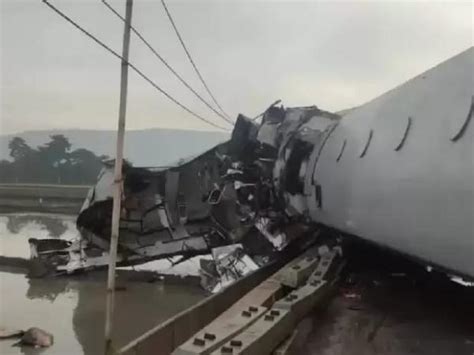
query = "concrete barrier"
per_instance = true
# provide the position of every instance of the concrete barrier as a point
(166, 337)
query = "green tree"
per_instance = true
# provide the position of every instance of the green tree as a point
(84, 166)
(18, 148)
(55, 154)
(56, 150)
(52, 162)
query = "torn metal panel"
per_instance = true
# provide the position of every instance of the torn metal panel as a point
(230, 264)
(274, 235)
(171, 195)
(305, 130)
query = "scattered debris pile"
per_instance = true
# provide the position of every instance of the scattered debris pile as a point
(229, 264)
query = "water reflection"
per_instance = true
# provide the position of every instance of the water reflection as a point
(73, 311)
(47, 290)
(72, 308)
(51, 223)
(19, 311)
(16, 229)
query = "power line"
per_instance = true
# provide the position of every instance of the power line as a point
(139, 35)
(191, 59)
(138, 71)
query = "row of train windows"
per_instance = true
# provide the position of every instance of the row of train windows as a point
(455, 138)
(369, 139)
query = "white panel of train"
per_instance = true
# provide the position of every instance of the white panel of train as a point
(399, 170)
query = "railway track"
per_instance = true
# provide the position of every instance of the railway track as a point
(371, 302)
(261, 321)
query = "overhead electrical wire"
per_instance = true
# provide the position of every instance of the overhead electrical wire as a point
(191, 59)
(170, 68)
(131, 65)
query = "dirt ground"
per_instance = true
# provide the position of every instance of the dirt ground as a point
(387, 305)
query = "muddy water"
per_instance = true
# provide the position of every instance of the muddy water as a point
(72, 309)
(17, 228)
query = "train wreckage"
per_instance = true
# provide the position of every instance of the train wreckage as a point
(397, 171)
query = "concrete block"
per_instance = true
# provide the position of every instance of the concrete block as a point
(264, 295)
(219, 332)
(322, 269)
(302, 300)
(261, 337)
(297, 275)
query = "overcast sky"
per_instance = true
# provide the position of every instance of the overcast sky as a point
(332, 54)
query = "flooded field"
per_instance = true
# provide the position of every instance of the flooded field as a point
(72, 308)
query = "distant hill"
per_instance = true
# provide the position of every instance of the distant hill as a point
(148, 147)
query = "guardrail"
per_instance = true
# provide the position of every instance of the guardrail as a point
(42, 197)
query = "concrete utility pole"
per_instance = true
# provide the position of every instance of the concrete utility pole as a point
(118, 183)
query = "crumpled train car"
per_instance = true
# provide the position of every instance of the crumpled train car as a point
(397, 171)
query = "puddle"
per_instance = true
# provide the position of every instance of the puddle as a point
(73, 309)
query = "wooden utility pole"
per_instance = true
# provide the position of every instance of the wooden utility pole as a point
(118, 183)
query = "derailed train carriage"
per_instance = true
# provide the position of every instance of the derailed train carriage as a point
(397, 171)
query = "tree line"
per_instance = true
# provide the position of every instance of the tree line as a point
(51, 163)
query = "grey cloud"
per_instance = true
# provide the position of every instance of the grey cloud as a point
(333, 54)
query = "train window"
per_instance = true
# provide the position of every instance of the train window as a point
(466, 122)
(371, 133)
(405, 135)
(342, 150)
